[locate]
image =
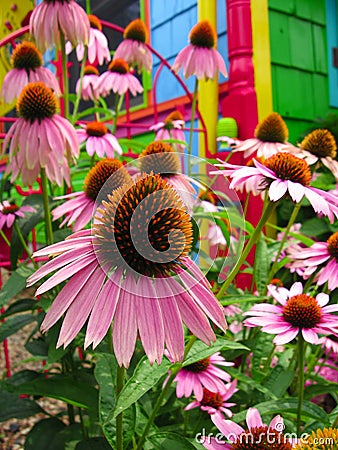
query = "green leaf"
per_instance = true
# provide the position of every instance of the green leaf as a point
(318, 389)
(279, 380)
(21, 305)
(250, 382)
(262, 264)
(12, 406)
(169, 441)
(44, 435)
(288, 406)
(200, 350)
(105, 374)
(241, 298)
(14, 324)
(144, 378)
(94, 443)
(134, 144)
(15, 284)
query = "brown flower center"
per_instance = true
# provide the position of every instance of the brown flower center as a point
(199, 366)
(325, 439)
(261, 438)
(332, 245)
(96, 129)
(36, 102)
(320, 143)
(11, 209)
(144, 227)
(119, 65)
(208, 196)
(26, 56)
(272, 129)
(159, 157)
(136, 31)
(94, 22)
(302, 311)
(91, 70)
(203, 35)
(213, 399)
(289, 167)
(175, 115)
(106, 169)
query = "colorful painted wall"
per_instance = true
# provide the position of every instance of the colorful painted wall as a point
(301, 61)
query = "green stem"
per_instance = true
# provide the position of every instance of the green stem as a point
(4, 237)
(64, 74)
(192, 120)
(253, 239)
(79, 92)
(300, 379)
(88, 9)
(24, 244)
(83, 426)
(120, 374)
(48, 222)
(286, 232)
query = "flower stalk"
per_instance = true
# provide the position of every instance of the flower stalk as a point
(48, 221)
(120, 376)
(301, 353)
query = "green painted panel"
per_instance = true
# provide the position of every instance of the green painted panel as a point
(303, 9)
(294, 93)
(297, 128)
(301, 44)
(318, 10)
(288, 6)
(319, 46)
(320, 95)
(279, 42)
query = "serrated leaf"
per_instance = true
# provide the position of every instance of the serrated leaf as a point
(200, 350)
(144, 378)
(15, 284)
(14, 324)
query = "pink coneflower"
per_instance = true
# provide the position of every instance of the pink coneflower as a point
(9, 212)
(27, 67)
(191, 379)
(257, 436)
(51, 17)
(282, 174)
(98, 49)
(98, 140)
(133, 48)
(171, 128)
(216, 402)
(118, 79)
(40, 138)
(90, 82)
(330, 343)
(132, 269)
(298, 313)
(79, 207)
(159, 157)
(322, 256)
(200, 58)
(319, 146)
(271, 136)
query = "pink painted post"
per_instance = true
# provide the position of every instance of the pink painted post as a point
(241, 101)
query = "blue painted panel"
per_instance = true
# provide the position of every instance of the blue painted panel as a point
(160, 13)
(332, 41)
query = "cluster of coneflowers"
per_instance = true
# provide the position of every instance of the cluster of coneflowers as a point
(126, 265)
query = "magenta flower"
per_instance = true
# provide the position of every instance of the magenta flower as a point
(330, 343)
(50, 18)
(98, 140)
(191, 379)
(132, 270)
(118, 79)
(258, 434)
(9, 212)
(200, 58)
(298, 313)
(171, 128)
(40, 138)
(79, 207)
(27, 67)
(282, 174)
(216, 402)
(133, 48)
(90, 82)
(321, 256)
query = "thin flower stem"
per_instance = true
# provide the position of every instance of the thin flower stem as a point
(192, 120)
(253, 239)
(64, 74)
(301, 348)
(48, 222)
(24, 244)
(120, 375)
(79, 92)
(4, 237)
(285, 235)
(88, 9)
